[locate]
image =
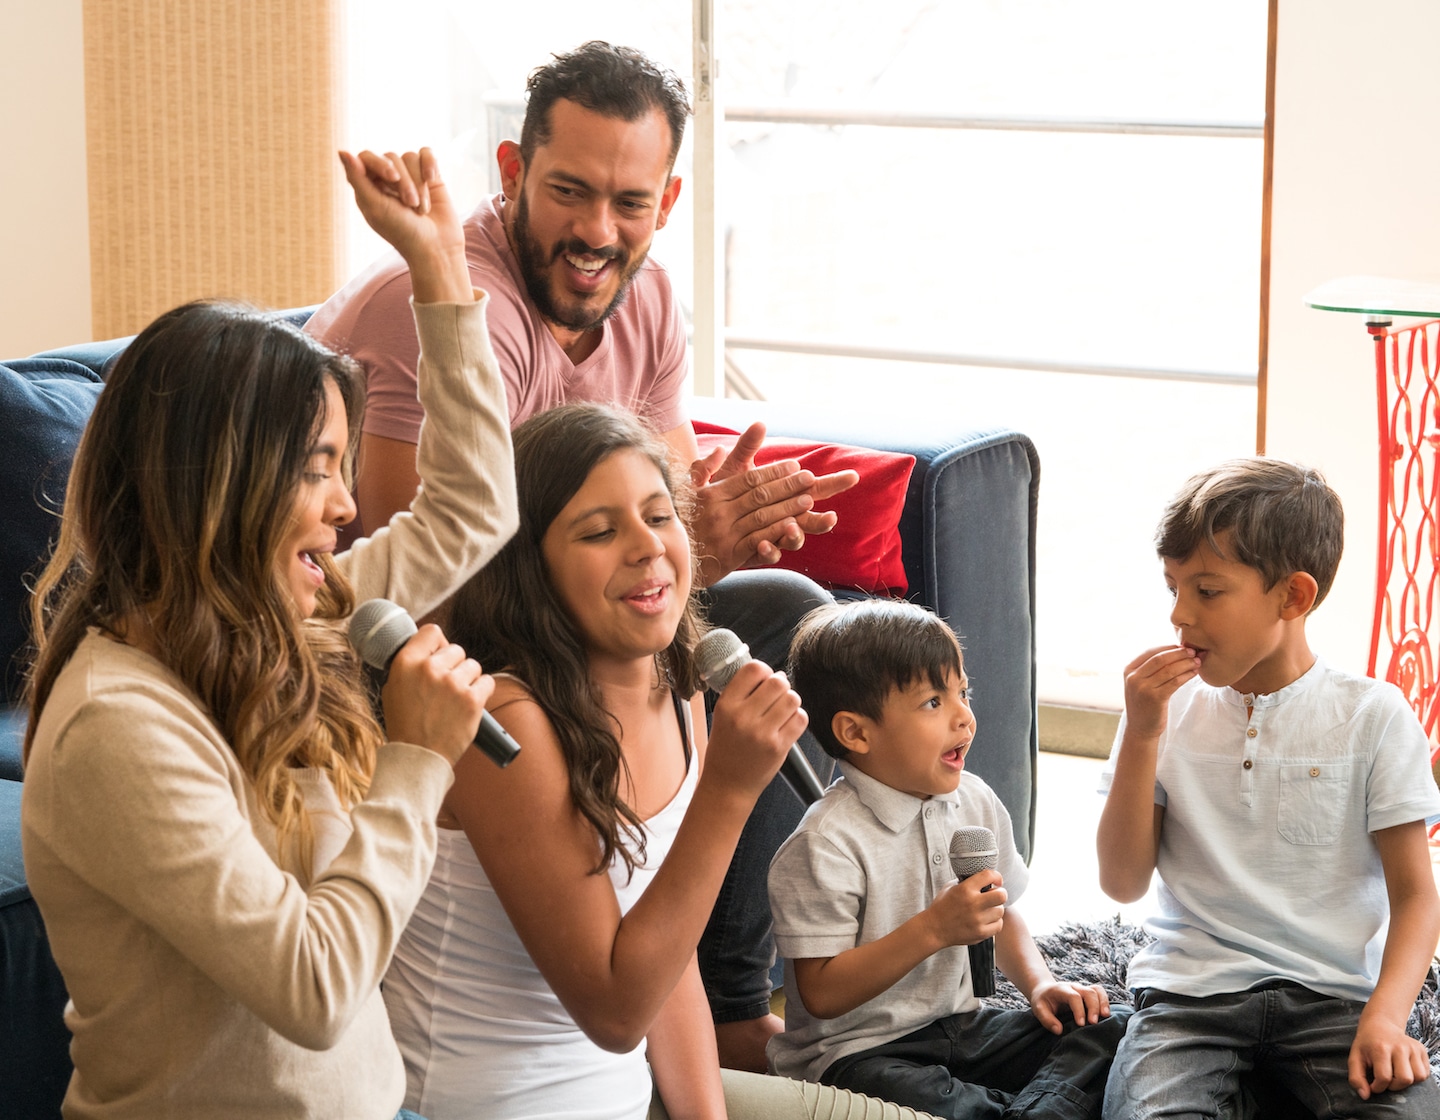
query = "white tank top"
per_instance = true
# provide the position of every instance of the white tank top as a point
(482, 1034)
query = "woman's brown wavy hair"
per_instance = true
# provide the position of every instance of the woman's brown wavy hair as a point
(508, 616)
(183, 490)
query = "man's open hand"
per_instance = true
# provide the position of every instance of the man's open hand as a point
(746, 515)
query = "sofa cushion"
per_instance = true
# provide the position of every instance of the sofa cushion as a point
(34, 1041)
(863, 550)
(44, 405)
(12, 740)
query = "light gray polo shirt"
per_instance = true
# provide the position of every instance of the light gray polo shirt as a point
(1267, 865)
(866, 859)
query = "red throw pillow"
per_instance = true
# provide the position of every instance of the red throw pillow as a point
(863, 550)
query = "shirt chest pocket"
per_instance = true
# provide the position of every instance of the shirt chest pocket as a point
(1314, 798)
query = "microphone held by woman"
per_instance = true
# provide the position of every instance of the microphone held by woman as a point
(378, 631)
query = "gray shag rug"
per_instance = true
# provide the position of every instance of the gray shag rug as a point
(1099, 952)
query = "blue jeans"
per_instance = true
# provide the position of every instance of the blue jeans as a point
(1186, 1056)
(738, 946)
(989, 1064)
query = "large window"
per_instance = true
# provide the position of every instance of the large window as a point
(1000, 199)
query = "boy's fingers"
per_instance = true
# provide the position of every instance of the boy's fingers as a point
(1048, 1018)
(1358, 1080)
(1146, 656)
(1419, 1061)
(1164, 666)
(1381, 1074)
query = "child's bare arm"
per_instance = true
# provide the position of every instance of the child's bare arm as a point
(1129, 833)
(960, 915)
(1383, 1056)
(1019, 959)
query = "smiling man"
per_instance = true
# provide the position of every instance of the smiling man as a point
(579, 312)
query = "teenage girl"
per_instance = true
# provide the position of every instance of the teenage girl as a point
(550, 966)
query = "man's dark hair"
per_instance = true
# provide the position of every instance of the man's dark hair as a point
(618, 82)
(849, 657)
(1281, 518)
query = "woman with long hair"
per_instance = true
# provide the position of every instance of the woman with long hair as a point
(554, 949)
(223, 844)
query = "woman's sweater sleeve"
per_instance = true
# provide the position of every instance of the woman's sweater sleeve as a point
(140, 798)
(465, 510)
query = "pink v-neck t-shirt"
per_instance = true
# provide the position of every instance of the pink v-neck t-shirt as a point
(640, 364)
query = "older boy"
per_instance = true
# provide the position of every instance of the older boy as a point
(1283, 803)
(868, 912)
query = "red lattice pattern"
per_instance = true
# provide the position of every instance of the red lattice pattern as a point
(1408, 569)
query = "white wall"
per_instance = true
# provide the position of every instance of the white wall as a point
(1356, 191)
(44, 223)
(1355, 175)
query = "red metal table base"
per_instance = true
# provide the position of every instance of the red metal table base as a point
(1407, 583)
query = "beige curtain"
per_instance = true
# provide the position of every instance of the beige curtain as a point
(211, 128)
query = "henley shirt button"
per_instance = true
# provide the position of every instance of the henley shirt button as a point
(1314, 771)
(936, 858)
(929, 813)
(1252, 733)
(1249, 762)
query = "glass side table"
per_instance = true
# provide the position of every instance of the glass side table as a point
(1406, 625)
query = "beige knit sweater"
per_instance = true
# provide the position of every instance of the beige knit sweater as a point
(206, 979)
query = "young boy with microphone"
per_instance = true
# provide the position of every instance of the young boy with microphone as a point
(874, 922)
(1283, 804)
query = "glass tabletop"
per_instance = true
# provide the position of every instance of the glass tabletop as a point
(1376, 296)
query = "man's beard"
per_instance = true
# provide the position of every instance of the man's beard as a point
(534, 262)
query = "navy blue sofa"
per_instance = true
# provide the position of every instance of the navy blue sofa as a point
(968, 547)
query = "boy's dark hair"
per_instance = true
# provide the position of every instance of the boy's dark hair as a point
(618, 82)
(849, 657)
(1282, 518)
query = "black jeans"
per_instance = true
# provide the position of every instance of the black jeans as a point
(987, 1064)
(738, 946)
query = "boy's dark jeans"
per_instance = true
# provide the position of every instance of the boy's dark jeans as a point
(987, 1064)
(1213, 1055)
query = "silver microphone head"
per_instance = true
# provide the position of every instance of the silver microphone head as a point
(378, 629)
(973, 849)
(718, 656)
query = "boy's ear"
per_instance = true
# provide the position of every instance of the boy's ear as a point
(1300, 592)
(851, 731)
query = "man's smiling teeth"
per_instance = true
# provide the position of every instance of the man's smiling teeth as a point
(584, 265)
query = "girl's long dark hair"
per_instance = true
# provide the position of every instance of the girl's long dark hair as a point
(508, 616)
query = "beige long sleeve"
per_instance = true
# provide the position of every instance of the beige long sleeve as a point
(466, 508)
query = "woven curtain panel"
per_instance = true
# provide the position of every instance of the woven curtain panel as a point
(211, 128)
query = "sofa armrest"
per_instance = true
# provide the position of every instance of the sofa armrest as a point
(968, 542)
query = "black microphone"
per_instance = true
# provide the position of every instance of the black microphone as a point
(719, 656)
(972, 849)
(378, 629)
